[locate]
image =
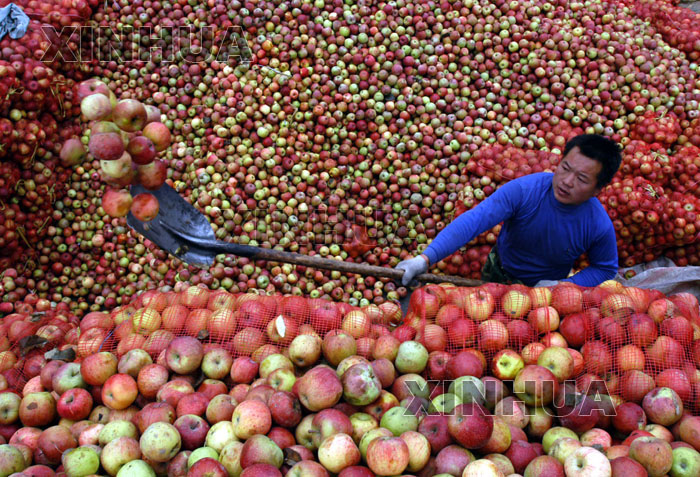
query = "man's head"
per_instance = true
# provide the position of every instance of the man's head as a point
(590, 161)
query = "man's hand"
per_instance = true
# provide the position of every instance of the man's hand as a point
(546, 283)
(412, 267)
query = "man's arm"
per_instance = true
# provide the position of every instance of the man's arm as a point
(498, 207)
(603, 261)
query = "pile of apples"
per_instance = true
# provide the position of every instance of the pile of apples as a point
(126, 138)
(491, 381)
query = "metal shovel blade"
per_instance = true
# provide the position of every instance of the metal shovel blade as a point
(174, 209)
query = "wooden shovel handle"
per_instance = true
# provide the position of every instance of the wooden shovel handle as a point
(258, 253)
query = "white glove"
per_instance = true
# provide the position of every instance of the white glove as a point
(546, 283)
(412, 267)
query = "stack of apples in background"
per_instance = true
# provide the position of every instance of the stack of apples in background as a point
(125, 137)
(489, 381)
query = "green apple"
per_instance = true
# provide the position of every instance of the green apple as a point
(555, 433)
(136, 468)
(444, 403)
(686, 462)
(201, 453)
(273, 362)
(398, 420)
(220, 435)
(81, 462)
(412, 357)
(468, 389)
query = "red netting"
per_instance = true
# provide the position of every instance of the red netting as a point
(618, 341)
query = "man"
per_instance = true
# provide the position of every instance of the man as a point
(549, 220)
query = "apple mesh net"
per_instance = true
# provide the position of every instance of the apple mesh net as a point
(622, 342)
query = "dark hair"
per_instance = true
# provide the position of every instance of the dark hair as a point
(602, 149)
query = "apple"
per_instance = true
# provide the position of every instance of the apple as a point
(482, 468)
(663, 406)
(387, 455)
(657, 430)
(515, 304)
(562, 447)
(443, 403)
(308, 468)
(655, 455)
(117, 428)
(559, 361)
(544, 319)
(536, 385)
(132, 361)
(184, 354)
(386, 373)
(329, 422)
(141, 149)
(119, 391)
(677, 380)
(220, 408)
(250, 418)
(361, 423)
(285, 409)
(150, 379)
(506, 364)
(398, 420)
(500, 438)
(492, 336)
(452, 460)
(260, 449)
(159, 134)
(152, 175)
(338, 452)
(193, 431)
(479, 305)
(37, 409)
(55, 440)
(243, 370)
(360, 385)
(11, 460)
(634, 385)
(625, 467)
(520, 453)
(230, 457)
(145, 206)
(461, 333)
(319, 388)
(154, 412)
(587, 462)
(686, 462)
(119, 452)
(470, 425)
(305, 350)
(576, 329)
(91, 86)
(96, 107)
(597, 438)
(628, 417)
(207, 467)
(689, 431)
(435, 429)
(160, 442)
(74, 404)
(9, 407)
(136, 468)
(544, 466)
(468, 389)
(67, 377)
(387, 347)
(512, 411)
(464, 363)
(577, 411)
(338, 346)
(130, 115)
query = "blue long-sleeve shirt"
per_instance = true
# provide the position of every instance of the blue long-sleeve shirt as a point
(541, 238)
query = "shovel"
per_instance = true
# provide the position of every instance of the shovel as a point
(184, 232)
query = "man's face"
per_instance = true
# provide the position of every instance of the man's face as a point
(576, 179)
